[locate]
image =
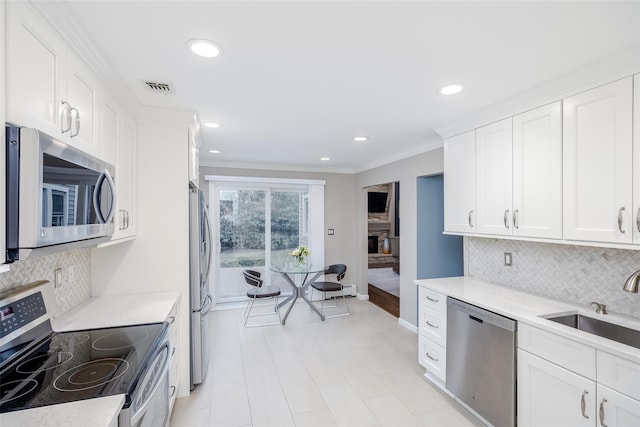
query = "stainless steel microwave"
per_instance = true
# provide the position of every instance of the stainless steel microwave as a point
(57, 196)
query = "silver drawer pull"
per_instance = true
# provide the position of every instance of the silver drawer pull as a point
(432, 325)
(431, 357)
(602, 412)
(583, 404)
(432, 299)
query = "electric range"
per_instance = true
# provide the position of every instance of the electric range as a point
(39, 367)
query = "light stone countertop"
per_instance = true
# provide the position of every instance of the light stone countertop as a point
(96, 312)
(527, 308)
(117, 310)
(102, 411)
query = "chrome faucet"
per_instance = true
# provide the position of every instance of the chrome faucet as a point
(631, 285)
(600, 308)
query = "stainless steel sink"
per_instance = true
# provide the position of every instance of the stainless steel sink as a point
(600, 328)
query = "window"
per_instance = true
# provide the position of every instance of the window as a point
(257, 222)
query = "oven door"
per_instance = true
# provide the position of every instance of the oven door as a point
(150, 399)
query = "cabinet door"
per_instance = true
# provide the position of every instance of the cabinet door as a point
(597, 164)
(82, 96)
(616, 409)
(460, 183)
(127, 178)
(636, 159)
(35, 63)
(549, 395)
(494, 177)
(537, 172)
(109, 130)
(194, 159)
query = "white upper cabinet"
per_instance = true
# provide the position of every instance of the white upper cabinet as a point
(636, 160)
(48, 86)
(494, 178)
(537, 172)
(194, 159)
(127, 182)
(460, 183)
(597, 164)
(35, 61)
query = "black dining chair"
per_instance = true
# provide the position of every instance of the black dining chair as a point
(258, 291)
(326, 286)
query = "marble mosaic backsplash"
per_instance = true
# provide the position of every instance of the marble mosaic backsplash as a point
(576, 274)
(76, 286)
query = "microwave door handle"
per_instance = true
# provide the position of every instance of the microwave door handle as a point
(112, 208)
(96, 202)
(165, 371)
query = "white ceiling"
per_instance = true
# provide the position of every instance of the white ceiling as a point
(299, 79)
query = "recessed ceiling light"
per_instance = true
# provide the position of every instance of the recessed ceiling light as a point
(212, 125)
(451, 89)
(325, 159)
(202, 47)
(361, 138)
(215, 151)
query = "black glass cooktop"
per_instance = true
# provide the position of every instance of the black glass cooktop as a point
(79, 365)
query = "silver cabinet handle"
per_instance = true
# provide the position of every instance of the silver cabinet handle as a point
(506, 218)
(515, 219)
(638, 219)
(173, 391)
(432, 325)
(583, 404)
(431, 357)
(432, 299)
(65, 114)
(77, 114)
(470, 214)
(172, 319)
(602, 412)
(620, 220)
(173, 351)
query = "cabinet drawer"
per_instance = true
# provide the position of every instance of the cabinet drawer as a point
(433, 357)
(619, 374)
(433, 324)
(569, 354)
(433, 299)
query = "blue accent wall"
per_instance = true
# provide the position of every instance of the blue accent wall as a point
(438, 255)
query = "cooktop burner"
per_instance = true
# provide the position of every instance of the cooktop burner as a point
(72, 366)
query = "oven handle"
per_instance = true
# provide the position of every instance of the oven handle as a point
(165, 371)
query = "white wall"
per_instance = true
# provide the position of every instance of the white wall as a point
(339, 208)
(406, 172)
(158, 259)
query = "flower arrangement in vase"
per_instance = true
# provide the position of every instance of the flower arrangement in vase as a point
(299, 253)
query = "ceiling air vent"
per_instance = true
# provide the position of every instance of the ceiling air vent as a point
(161, 88)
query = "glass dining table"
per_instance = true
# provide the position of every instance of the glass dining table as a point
(297, 276)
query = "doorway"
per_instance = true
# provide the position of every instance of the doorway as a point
(383, 242)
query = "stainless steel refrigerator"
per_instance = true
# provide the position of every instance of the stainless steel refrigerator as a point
(200, 259)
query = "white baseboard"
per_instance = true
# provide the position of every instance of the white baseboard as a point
(407, 325)
(363, 297)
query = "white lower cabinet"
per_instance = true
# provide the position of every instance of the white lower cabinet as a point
(432, 335)
(549, 395)
(557, 387)
(173, 368)
(616, 409)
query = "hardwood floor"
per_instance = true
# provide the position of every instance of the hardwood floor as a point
(383, 299)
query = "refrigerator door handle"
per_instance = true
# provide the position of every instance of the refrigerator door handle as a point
(206, 306)
(207, 244)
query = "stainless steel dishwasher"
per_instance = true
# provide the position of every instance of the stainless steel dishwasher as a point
(481, 365)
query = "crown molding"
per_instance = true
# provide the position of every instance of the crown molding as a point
(273, 167)
(60, 16)
(413, 151)
(620, 65)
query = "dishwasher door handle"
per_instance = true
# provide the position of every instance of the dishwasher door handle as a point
(476, 319)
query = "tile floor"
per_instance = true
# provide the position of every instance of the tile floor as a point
(358, 370)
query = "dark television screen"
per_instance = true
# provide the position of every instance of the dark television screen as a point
(377, 202)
